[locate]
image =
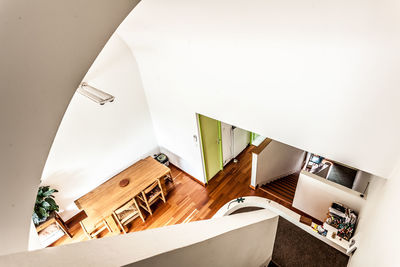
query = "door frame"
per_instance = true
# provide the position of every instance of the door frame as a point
(220, 156)
(253, 136)
(203, 161)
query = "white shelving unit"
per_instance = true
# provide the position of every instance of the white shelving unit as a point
(340, 241)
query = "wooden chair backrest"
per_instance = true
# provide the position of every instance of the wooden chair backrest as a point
(151, 187)
(126, 206)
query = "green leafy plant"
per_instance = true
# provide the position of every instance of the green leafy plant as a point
(44, 205)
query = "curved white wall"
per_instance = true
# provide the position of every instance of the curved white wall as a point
(46, 49)
(320, 76)
(96, 142)
(245, 239)
(261, 66)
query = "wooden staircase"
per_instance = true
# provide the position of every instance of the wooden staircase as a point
(283, 188)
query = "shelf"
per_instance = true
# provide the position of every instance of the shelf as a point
(343, 243)
(49, 235)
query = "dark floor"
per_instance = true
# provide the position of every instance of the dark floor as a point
(272, 264)
(295, 247)
(342, 175)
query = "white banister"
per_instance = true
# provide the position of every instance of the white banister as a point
(245, 239)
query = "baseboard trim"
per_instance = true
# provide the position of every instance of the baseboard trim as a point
(197, 181)
(191, 177)
(252, 187)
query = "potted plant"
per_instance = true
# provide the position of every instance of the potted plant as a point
(44, 205)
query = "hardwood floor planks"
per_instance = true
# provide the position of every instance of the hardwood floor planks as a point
(190, 201)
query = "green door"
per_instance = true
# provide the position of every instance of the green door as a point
(211, 141)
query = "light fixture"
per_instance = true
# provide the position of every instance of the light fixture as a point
(94, 94)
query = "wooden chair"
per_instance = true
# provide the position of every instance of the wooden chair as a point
(150, 195)
(96, 229)
(127, 213)
(168, 183)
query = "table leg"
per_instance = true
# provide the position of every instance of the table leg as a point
(63, 226)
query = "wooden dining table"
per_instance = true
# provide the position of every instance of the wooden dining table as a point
(107, 197)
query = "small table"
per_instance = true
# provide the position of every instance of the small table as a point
(50, 237)
(53, 218)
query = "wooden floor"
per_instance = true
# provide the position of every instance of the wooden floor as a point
(190, 201)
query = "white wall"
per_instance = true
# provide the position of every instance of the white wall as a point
(253, 178)
(94, 142)
(33, 242)
(379, 237)
(203, 243)
(314, 195)
(361, 181)
(277, 49)
(226, 136)
(241, 139)
(248, 246)
(238, 138)
(277, 160)
(46, 49)
(324, 171)
(266, 72)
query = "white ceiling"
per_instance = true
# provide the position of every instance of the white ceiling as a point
(318, 75)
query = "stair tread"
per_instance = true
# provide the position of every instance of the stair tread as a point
(284, 183)
(280, 191)
(288, 186)
(278, 196)
(283, 188)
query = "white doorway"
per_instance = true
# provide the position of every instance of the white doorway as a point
(227, 147)
(234, 141)
(241, 139)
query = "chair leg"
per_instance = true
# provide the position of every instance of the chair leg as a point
(147, 203)
(162, 193)
(108, 226)
(61, 223)
(85, 231)
(137, 207)
(119, 223)
(172, 179)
